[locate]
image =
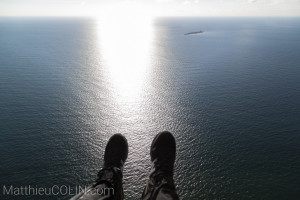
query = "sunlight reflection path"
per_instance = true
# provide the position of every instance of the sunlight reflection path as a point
(126, 48)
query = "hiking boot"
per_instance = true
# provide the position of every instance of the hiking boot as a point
(109, 183)
(116, 152)
(161, 184)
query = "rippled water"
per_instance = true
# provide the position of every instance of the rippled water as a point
(230, 95)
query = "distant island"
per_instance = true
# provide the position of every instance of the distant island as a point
(195, 32)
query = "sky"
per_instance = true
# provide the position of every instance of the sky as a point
(150, 7)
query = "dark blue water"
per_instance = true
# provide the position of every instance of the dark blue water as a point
(230, 95)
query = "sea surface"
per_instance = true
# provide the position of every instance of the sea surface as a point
(230, 96)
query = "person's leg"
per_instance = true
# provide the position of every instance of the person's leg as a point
(160, 185)
(109, 183)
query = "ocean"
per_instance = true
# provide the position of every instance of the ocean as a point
(230, 95)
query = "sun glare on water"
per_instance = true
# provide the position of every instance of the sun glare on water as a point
(125, 38)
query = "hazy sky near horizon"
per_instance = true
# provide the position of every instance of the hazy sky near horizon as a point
(150, 7)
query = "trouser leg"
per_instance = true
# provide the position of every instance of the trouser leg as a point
(107, 187)
(160, 188)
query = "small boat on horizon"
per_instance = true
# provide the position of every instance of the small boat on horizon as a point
(195, 32)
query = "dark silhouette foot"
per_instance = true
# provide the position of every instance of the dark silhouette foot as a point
(109, 182)
(160, 184)
(163, 152)
(116, 151)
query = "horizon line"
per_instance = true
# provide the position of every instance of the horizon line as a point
(91, 16)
